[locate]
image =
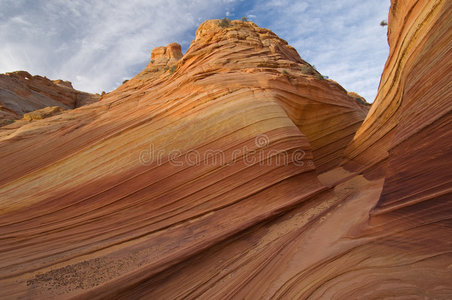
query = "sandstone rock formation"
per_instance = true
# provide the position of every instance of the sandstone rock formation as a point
(408, 129)
(222, 174)
(43, 113)
(21, 93)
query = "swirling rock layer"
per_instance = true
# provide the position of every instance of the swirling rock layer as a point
(408, 128)
(222, 174)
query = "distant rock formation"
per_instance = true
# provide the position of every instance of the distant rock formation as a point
(238, 171)
(172, 51)
(21, 93)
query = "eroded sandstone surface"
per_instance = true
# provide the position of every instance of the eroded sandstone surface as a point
(21, 93)
(237, 171)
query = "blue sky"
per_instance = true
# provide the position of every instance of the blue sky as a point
(98, 44)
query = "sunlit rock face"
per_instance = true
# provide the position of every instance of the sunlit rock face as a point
(21, 93)
(221, 173)
(407, 131)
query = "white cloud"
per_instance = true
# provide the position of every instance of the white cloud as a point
(96, 44)
(342, 39)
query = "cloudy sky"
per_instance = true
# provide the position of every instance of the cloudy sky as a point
(98, 44)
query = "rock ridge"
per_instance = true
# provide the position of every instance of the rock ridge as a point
(21, 93)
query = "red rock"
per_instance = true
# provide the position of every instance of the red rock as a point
(172, 51)
(43, 113)
(89, 209)
(21, 93)
(414, 101)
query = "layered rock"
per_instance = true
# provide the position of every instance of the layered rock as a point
(97, 196)
(171, 52)
(408, 128)
(216, 175)
(21, 93)
(43, 113)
